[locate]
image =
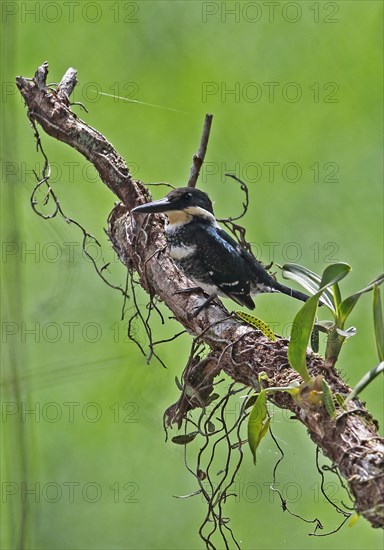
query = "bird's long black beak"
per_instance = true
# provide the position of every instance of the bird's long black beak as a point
(155, 207)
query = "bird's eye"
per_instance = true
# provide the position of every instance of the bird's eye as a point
(188, 196)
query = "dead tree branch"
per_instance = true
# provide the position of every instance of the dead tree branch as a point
(198, 159)
(350, 440)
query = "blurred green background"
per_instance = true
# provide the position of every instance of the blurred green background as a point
(295, 90)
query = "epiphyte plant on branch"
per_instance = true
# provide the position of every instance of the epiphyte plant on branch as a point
(222, 344)
(326, 288)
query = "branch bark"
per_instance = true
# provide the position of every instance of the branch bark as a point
(350, 440)
(198, 159)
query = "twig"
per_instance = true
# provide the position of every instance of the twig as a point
(244, 188)
(67, 84)
(198, 159)
(41, 76)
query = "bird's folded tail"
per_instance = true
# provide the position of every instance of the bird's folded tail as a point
(291, 292)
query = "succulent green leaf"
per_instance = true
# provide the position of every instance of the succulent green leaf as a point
(305, 319)
(301, 331)
(257, 323)
(336, 295)
(365, 381)
(349, 303)
(292, 389)
(308, 280)
(315, 339)
(354, 519)
(328, 398)
(299, 272)
(378, 322)
(258, 423)
(334, 273)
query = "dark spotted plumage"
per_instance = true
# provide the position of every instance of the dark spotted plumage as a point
(213, 263)
(207, 254)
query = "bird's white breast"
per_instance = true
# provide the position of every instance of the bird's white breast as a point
(181, 252)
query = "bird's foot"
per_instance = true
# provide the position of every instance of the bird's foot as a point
(190, 289)
(205, 304)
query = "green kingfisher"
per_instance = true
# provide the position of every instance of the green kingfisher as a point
(210, 257)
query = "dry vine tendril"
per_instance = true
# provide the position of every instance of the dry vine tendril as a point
(88, 238)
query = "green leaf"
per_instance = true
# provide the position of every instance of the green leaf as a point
(349, 303)
(257, 323)
(258, 423)
(184, 439)
(328, 398)
(325, 326)
(315, 339)
(305, 319)
(347, 333)
(302, 275)
(336, 295)
(211, 427)
(339, 399)
(367, 379)
(301, 331)
(354, 519)
(308, 280)
(378, 322)
(292, 389)
(334, 273)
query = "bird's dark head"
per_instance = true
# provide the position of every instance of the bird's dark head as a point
(183, 201)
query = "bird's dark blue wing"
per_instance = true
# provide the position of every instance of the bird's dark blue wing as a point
(255, 269)
(261, 280)
(220, 258)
